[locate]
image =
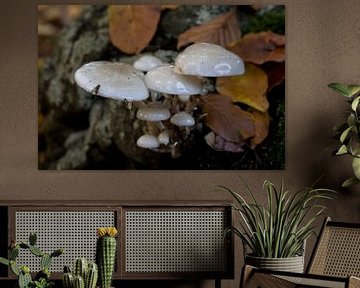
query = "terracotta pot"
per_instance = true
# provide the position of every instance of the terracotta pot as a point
(291, 264)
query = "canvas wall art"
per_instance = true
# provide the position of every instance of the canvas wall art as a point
(161, 87)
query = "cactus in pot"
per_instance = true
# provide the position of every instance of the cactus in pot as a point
(85, 275)
(106, 254)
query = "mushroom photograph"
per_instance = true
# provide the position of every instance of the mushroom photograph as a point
(202, 87)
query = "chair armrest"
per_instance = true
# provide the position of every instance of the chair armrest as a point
(354, 282)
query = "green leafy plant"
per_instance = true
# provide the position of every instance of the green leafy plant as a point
(279, 229)
(42, 278)
(349, 132)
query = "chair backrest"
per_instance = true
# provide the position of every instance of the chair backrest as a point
(337, 251)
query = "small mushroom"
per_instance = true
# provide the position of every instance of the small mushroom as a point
(182, 119)
(147, 62)
(153, 114)
(148, 141)
(112, 80)
(208, 60)
(164, 137)
(165, 80)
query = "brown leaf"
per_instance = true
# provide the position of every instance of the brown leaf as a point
(226, 119)
(260, 47)
(249, 88)
(275, 72)
(220, 144)
(221, 30)
(132, 27)
(261, 121)
(169, 6)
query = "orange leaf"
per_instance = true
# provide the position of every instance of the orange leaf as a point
(261, 121)
(260, 47)
(221, 30)
(226, 119)
(132, 27)
(249, 88)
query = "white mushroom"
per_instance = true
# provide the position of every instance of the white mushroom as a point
(164, 137)
(182, 119)
(112, 80)
(165, 80)
(147, 62)
(148, 141)
(208, 60)
(153, 114)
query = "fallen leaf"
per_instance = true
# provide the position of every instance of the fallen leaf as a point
(220, 144)
(132, 27)
(260, 47)
(221, 30)
(169, 6)
(249, 88)
(226, 119)
(261, 121)
(275, 72)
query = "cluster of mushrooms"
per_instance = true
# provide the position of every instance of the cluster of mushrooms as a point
(165, 95)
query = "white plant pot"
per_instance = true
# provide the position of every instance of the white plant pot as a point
(291, 264)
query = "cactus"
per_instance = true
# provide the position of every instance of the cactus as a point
(24, 277)
(87, 272)
(68, 280)
(106, 254)
(32, 238)
(45, 261)
(91, 276)
(42, 278)
(80, 267)
(79, 282)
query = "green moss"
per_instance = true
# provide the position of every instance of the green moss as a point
(273, 20)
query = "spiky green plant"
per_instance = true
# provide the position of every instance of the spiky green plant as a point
(106, 254)
(279, 229)
(42, 278)
(349, 132)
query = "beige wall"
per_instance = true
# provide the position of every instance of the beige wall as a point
(323, 46)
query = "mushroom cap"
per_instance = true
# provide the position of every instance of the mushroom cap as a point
(182, 119)
(208, 60)
(147, 62)
(163, 79)
(112, 80)
(153, 113)
(148, 141)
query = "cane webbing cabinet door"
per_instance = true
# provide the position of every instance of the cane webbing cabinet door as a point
(171, 240)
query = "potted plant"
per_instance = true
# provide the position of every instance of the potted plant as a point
(349, 132)
(276, 233)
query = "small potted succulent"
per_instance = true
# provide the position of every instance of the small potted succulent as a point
(349, 132)
(274, 234)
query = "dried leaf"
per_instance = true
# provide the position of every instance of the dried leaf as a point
(222, 30)
(226, 119)
(220, 144)
(132, 27)
(249, 88)
(260, 47)
(169, 6)
(275, 72)
(261, 121)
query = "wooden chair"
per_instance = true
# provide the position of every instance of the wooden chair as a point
(334, 263)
